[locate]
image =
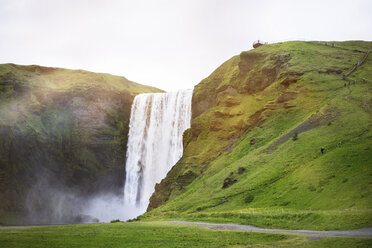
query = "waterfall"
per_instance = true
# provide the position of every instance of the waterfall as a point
(157, 123)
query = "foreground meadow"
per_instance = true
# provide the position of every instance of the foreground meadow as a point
(159, 234)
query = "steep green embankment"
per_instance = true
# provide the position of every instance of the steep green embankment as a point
(253, 155)
(61, 131)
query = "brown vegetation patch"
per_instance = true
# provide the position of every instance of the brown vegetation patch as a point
(256, 117)
(220, 114)
(231, 101)
(247, 60)
(216, 125)
(289, 78)
(286, 96)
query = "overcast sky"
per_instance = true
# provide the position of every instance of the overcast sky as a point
(169, 44)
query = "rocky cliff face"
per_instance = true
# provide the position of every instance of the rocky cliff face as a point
(221, 113)
(63, 130)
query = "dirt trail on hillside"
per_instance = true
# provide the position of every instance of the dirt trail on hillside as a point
(365, 232)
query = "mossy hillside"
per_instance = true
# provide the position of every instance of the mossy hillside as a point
(250, 109)
(63, 130)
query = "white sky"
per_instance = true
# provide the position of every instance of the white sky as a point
(169, 44)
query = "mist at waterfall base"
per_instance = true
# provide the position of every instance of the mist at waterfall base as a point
(156, 128)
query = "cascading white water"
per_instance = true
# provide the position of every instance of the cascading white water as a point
(157, 123)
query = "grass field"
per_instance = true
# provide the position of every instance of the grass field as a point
(285, 219)
(158, 234)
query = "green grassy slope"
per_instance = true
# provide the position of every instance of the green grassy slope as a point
(241, 162)
(158, 234)
(60, 131)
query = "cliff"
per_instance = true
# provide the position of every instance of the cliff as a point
(60, 129)
(259, 123)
